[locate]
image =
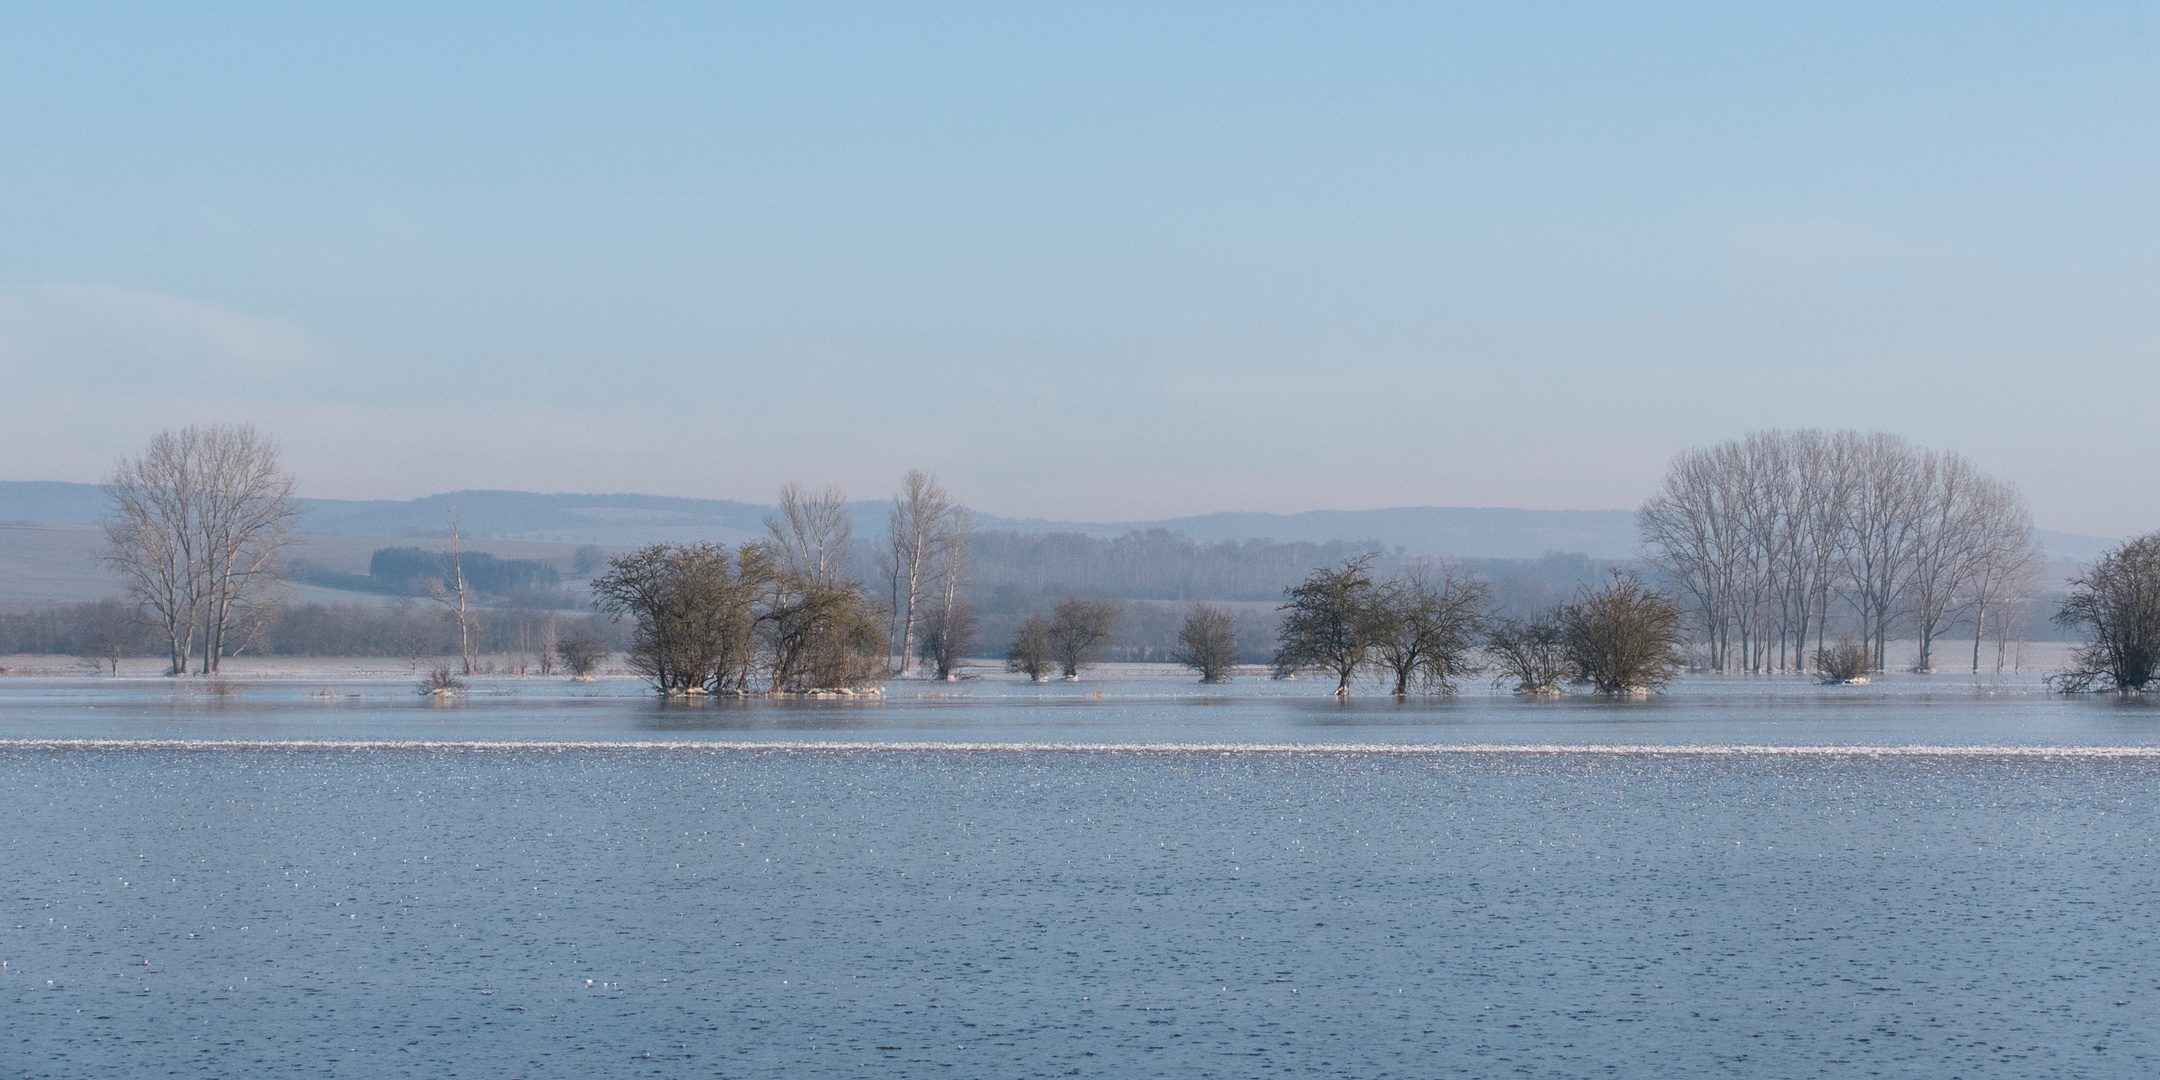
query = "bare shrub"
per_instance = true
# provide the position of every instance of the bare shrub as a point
(442, 680)
(1623, 638)
(1207, 643)
(1845, 659)
(1532, 653)
(2116, 605)
(1031, 653)
(582, 654)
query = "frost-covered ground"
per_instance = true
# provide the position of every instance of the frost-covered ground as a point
(717, 911)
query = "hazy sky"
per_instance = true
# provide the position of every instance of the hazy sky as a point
(1084, 260)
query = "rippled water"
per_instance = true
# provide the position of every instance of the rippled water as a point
(1364, 904)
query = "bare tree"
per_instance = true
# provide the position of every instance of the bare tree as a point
(196, 526)
(1531, 652)
(550, 643)
(1622, 638)
(952, 620)
(920, 525)
(1207, 643)
(810, 534)
(1423, 631)
(1031, 653)
(2116, 604)
(2006, 580)
(1078, 631)
(1328, 622)
(583, 654)
(451, 590)
(946, 635)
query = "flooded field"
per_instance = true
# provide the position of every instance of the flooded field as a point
(557, 880)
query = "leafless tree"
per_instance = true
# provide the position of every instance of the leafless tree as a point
(1531, 652)
(2116, 605)
(1031, 653)
(2006, 580)
(1624, 637)
(1424, 631)
(197, 523)
(452, 591)
(923, 525)
(810, 534)
(1882, 538)
(583, 654)
(952, 620)
(1207, 643)
(1328, 622)
(1078, 631)
(550, 642)
(946, 635)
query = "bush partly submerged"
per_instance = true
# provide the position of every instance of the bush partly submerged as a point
(442, 682)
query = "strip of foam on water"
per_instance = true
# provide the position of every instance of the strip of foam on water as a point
(1374, 749)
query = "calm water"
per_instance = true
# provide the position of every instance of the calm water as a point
(221, 892)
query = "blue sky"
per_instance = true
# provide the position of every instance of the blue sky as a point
(1085, 261)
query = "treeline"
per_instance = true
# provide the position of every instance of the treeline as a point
(1782, 539)
(407, 571)
(110, 632)
(1152, 565)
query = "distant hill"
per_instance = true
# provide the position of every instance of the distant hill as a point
(624, 519)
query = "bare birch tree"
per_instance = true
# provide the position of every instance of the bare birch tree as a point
(452, 591)
(810, 534)
(920, 517)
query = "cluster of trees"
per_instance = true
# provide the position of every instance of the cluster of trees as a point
(1778, 538)
(1421, 632)
(927, 545)
(1070, 639)
(778, 616)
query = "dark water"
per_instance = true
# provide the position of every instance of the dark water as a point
(716, 911)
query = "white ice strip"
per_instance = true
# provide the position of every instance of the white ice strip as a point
(1375, 749)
